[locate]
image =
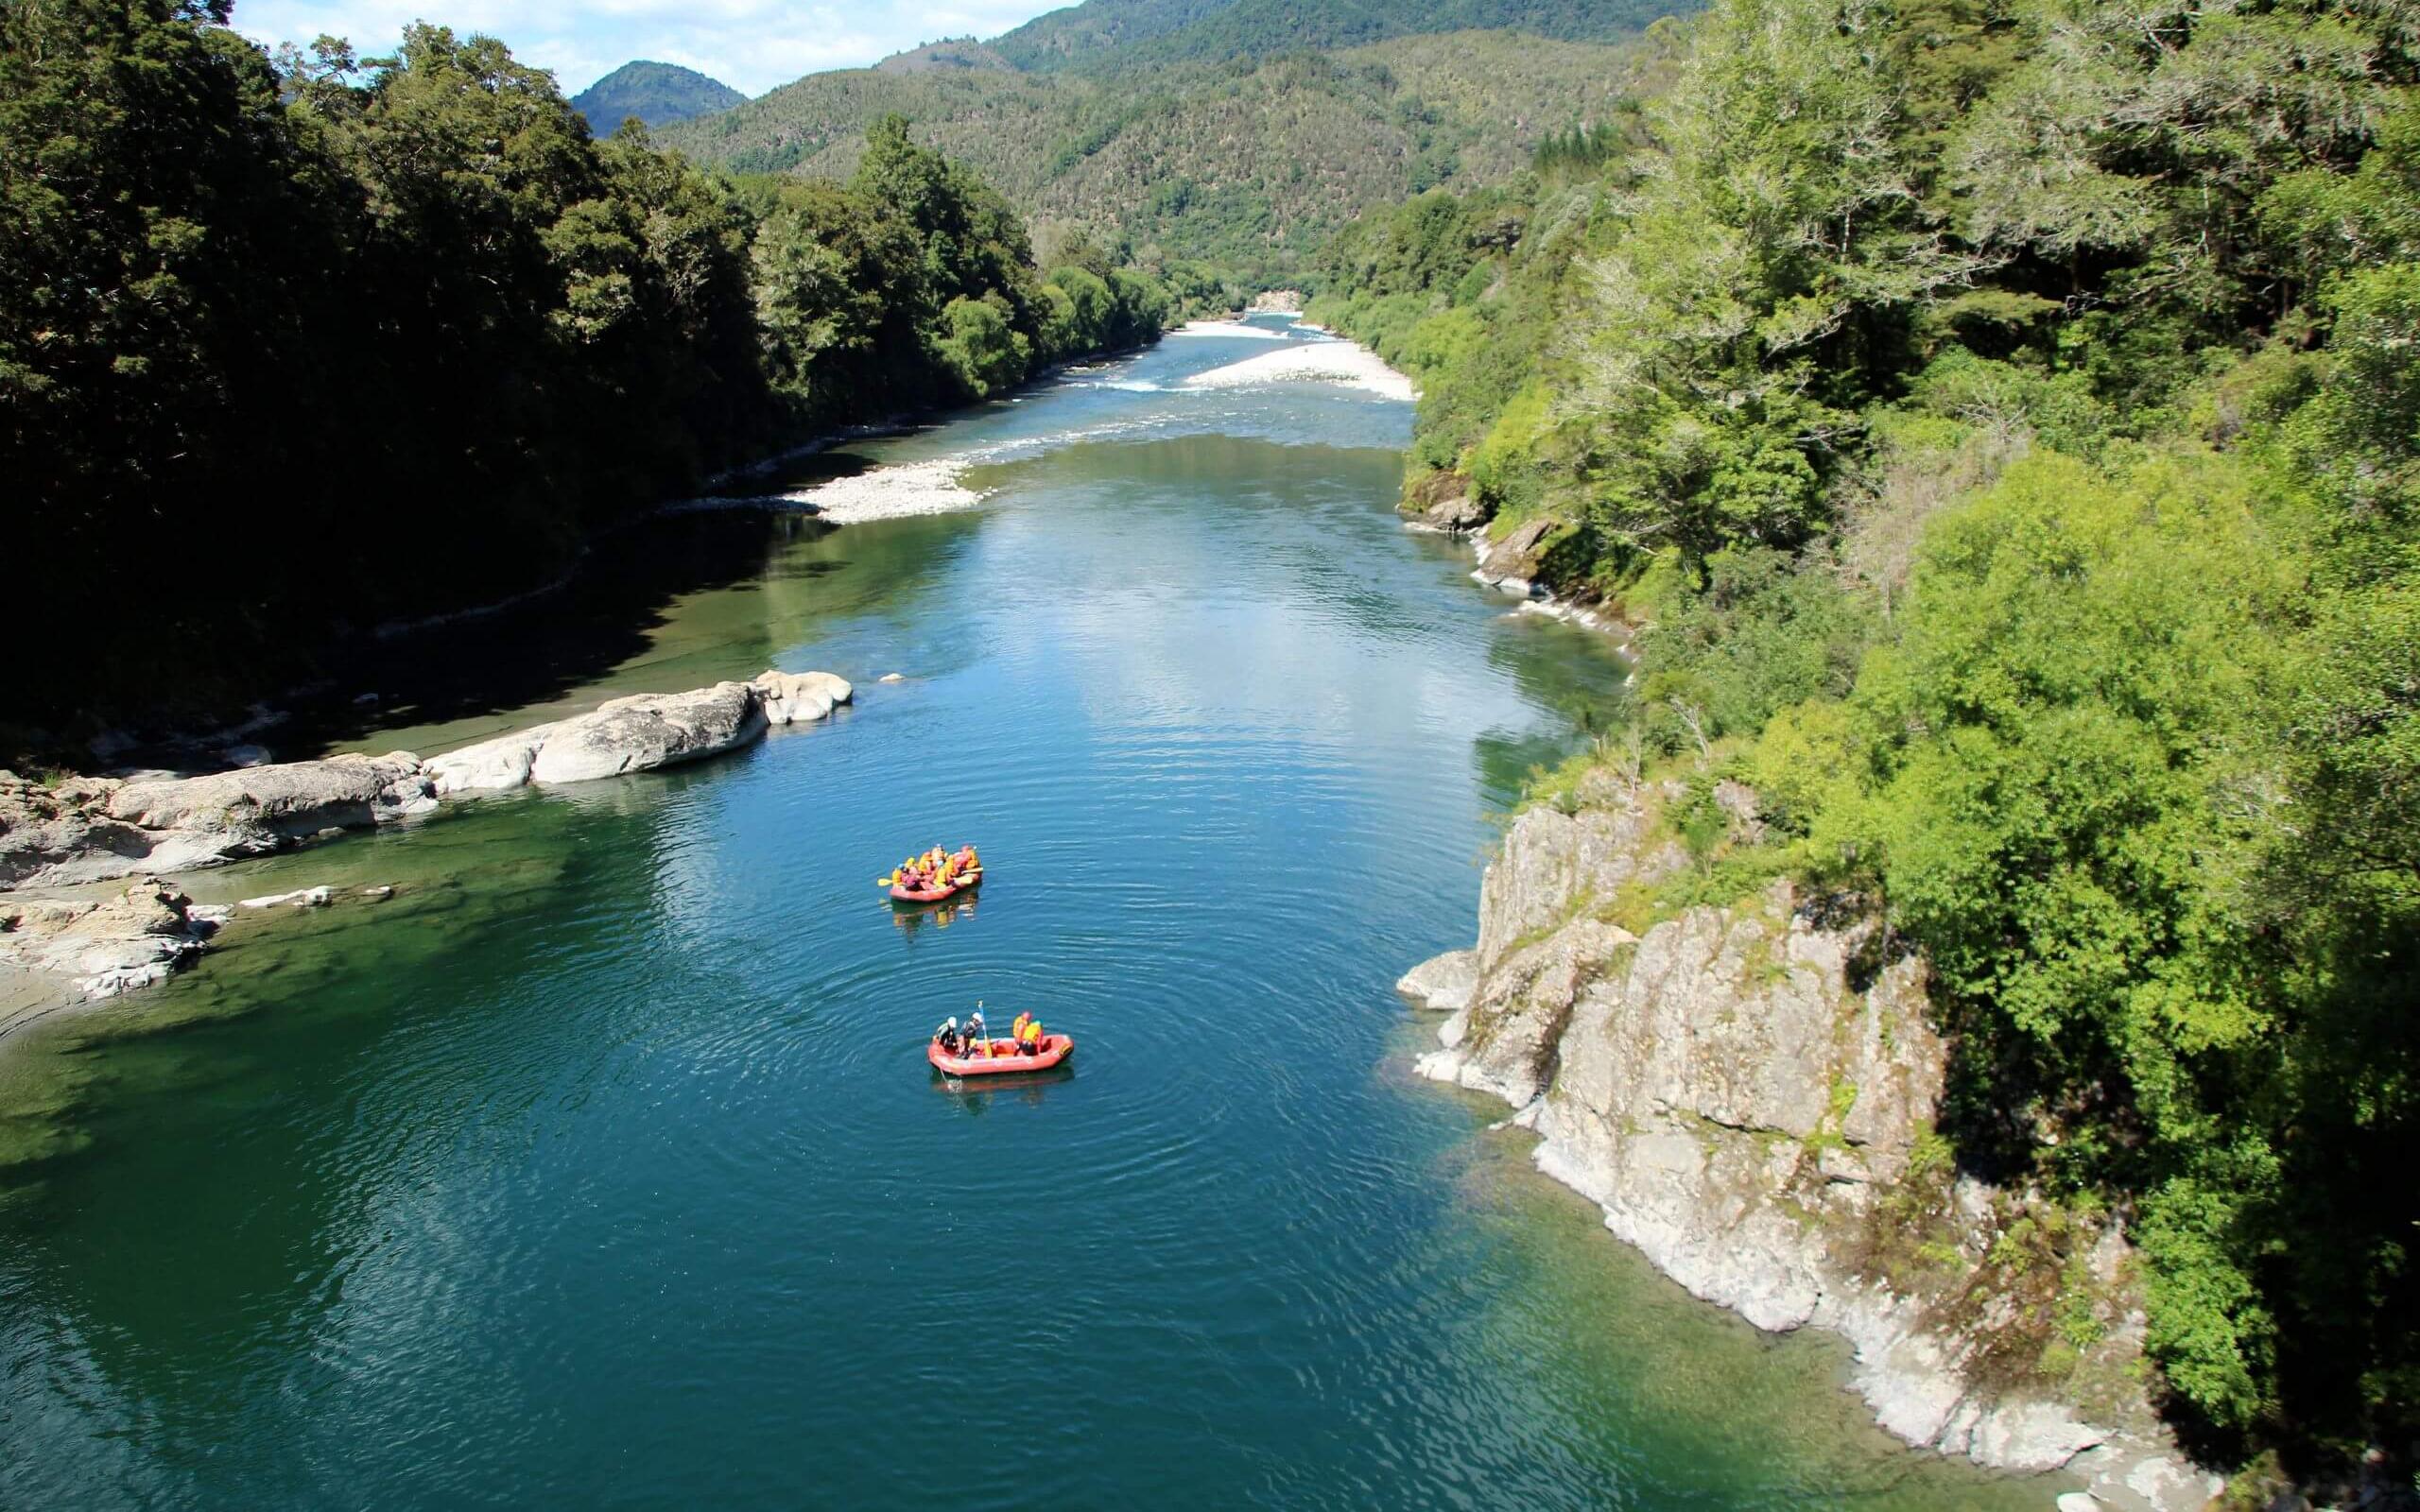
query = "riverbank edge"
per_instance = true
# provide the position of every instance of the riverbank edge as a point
(1687, 1080)
(221, 737)
(66, 941)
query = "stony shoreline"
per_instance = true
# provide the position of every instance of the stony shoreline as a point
(1510, 566)
(61, 838)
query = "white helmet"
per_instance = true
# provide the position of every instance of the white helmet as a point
(953, 1022)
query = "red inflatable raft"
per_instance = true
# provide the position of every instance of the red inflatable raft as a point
(902, 893)
(1004, 1057)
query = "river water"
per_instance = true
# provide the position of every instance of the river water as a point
(600, 1166)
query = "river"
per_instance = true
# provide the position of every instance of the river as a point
(600, 1166)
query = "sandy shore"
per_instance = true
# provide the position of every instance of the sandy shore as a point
(891, 492)
(1338, 361)
(938, 486)
(1226, 328)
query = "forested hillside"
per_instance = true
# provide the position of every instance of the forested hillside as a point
(1248, 166)
(657, 94)
(2001, 421)
(268, 330)
(1118, 34)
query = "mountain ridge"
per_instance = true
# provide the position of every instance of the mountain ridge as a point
(1248, 161)
(660, 95)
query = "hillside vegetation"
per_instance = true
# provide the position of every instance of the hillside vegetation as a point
(265, 328)
(1119, 34)
(1248, 165)
(2002, 422)
(657, 94)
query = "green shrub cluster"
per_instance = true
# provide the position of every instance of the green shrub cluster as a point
(2001, 421)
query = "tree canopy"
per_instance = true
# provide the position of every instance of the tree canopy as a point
(268, 324)
(2001, 420)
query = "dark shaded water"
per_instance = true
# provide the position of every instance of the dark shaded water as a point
(602, 1165)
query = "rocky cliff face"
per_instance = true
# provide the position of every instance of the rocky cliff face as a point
(1748, 1092)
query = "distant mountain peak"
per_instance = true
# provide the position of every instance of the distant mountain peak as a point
(657, 94)
(950, 52)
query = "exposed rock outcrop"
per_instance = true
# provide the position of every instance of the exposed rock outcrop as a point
(647, 731)
(95, 829)
(1445, 502)
(1443, 984)
(1511, 563)
(1749, 1095)
(492, 766)
(640, 732)
(106, 946)
(800, 697)
(72, 831)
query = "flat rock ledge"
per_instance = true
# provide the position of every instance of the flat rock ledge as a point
(69, 831)
(639, 733)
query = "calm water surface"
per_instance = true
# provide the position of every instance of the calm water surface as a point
(601, 1167)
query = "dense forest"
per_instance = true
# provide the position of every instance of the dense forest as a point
(2001, 420)
(656, 94)
(1242, 163)
(270, 327)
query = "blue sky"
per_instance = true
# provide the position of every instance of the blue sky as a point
(750, 44)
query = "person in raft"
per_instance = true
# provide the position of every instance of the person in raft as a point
(946, 1036)
(1030, 1036)
(979, 1039)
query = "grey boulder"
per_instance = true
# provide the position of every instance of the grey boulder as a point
(638, 733)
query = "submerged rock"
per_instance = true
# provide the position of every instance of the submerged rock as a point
(106, 946)
(300, 898)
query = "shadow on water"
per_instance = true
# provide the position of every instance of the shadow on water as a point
(975, 1097)
(675, 603)
(546, 645)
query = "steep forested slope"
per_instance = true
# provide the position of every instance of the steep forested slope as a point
(657, 94)
(2001, 421)
(1250, 165)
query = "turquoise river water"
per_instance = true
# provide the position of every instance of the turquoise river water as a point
(601, 1167)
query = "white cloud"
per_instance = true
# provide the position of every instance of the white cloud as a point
(750, 44)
